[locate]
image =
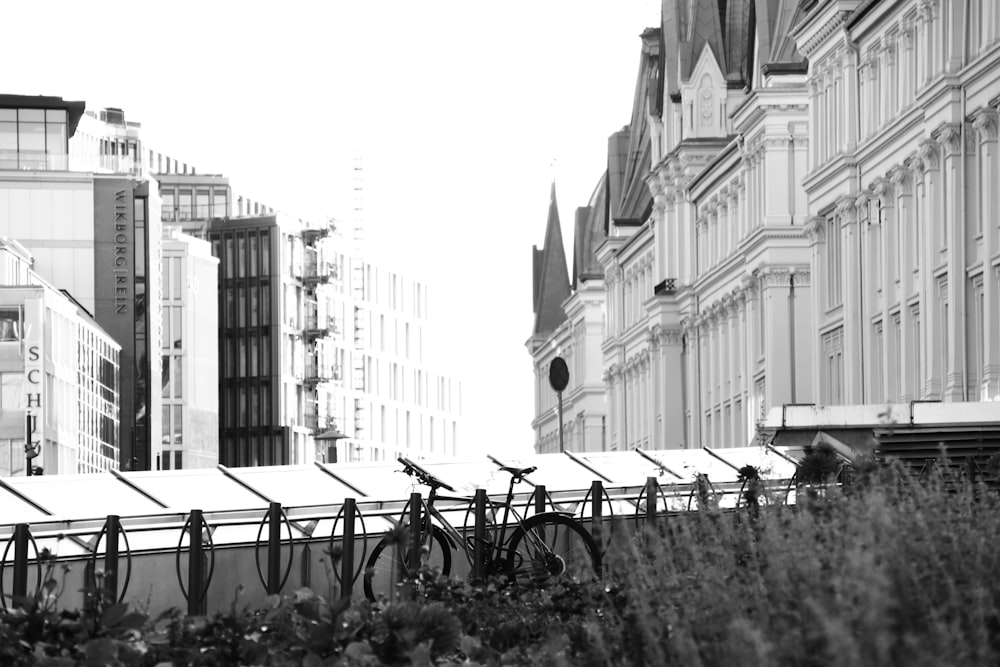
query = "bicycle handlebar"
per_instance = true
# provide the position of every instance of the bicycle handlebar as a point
(424, 477)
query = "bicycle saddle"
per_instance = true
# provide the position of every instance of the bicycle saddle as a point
(518, 473)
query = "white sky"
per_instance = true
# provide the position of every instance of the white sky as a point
(459, 109)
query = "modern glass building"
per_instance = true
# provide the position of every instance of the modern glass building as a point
(59, 370)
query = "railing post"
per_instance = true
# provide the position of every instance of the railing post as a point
(196, 567)
(347, 555)
(20, 562)
(274, 549)
(111, 558)
(651, 492)
(540, 499)
(479, 544)
(597, 509)
(416, 505)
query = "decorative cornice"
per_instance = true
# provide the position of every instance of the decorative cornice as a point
(847, 209)
(929, 153)
(901, 180)
(882, 189)
(775, 276)
(672, 336)
(949, 135)
(984, 121)
(815, 227)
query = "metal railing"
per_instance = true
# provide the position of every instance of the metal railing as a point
(28, 160)
(604, 510)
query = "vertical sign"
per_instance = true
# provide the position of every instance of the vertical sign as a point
(34, 381)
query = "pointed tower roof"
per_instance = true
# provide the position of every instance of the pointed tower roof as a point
(551, 275)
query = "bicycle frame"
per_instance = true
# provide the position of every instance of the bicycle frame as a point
(497, 543)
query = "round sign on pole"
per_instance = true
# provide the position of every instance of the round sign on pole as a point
(558, 374)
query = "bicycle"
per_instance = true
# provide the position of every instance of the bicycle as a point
(539, 549)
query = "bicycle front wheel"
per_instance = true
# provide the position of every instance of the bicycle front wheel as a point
(389, 564)
(551, 546)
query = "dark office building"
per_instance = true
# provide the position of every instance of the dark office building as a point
(121, 304)
(249, 336)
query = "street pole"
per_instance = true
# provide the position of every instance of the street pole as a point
(559, 380)
(562, 447)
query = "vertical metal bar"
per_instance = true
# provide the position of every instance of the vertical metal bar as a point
(347, 555)
(28, 449)
(111, 558)
(651, 492)
(274, 549)
(196, 567)
(416, 505)
(479, 546)
(562, 445)
(540, 498)
(20, 562)
(596, 508)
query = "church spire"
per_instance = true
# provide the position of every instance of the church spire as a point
(551, 275)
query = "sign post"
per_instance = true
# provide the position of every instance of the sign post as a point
(559, 379)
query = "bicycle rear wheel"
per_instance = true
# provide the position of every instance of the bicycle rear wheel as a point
(389, 564)
(552, 546)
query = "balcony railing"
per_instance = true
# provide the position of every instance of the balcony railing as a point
(184, 212)
(318, 326)
(25, 160)
(316, 373)
(315, 271)
(121, 164)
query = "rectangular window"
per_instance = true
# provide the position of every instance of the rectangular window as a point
(11, 386)
(878, 376)
(220, 205)
(241, 307)
(230, 259)
(201, 205)
(265, 304)
(254, 356)
(833, 356)
(168, 204)
(253, 255)
(265, 354)
(241, 256)
(10, 324)
(833, 262)
(185, 205)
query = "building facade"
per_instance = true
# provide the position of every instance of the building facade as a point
(904, 224)
(823, 229)
(95, 228)
(59, 370)
(189, 354)
(706, 265)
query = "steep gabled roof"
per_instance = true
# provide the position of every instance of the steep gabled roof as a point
(724, 26)
(775, 20)
(551, 277)
(629, 149)
(588, 234)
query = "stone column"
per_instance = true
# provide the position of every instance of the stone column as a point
(882, 189)
(950, 137)
(815, 229)
(906, 229)
(847, 216)
(933, 217)
(985, 123)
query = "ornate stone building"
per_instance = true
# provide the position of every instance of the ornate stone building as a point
(820, 220)
(904, 231)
